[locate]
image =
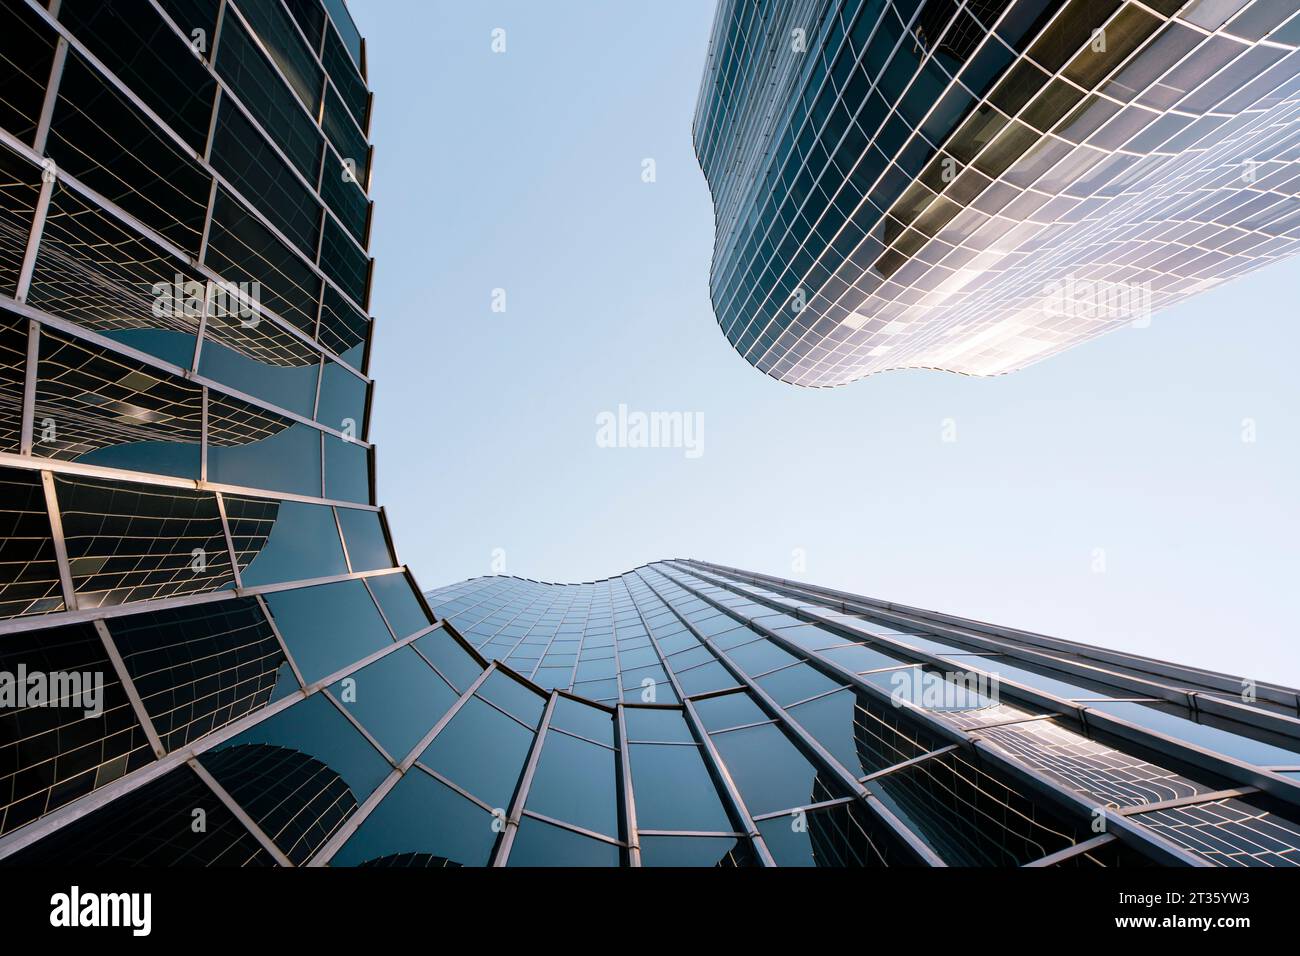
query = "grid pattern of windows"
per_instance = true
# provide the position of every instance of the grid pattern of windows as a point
(187, 501)
(820, 714)
(975, 186)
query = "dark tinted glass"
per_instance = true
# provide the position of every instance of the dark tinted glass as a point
(328, 627)
(279, 541)
(397, 699)
(674, 790)
(540, 844)
(481, 750)
(575, 781)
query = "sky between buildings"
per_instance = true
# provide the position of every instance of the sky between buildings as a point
(1105, 495)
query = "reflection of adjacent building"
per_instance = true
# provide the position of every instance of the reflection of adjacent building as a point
(176, 468)
(977, 187)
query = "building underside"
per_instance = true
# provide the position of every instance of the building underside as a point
(974, 187)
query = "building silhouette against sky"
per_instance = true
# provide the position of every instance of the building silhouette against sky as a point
(977, 186)
(210, 654)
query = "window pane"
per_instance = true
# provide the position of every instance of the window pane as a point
(481, 750)
(657, 723)
(397, 699)
(328, 626)
(255, 448)
(452, 660)
(769, 771)
(397, 600)
(279, 541)
(424, 821)
(575, 781)
(540, 844)
(298, 774)
(696, 851)
(674, 790)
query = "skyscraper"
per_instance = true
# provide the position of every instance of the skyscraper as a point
(187, 485)
(977, 186)
(210, 655)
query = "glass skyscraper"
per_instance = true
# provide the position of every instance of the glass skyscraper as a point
(210, 654)
(975, 186)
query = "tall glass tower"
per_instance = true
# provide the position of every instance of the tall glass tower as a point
(975, 186)
(210, 655)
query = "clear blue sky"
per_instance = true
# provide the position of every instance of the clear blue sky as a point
(522, 171)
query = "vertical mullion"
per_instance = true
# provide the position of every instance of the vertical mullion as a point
(51, 96)
(351, 825)
(630, 832)
(507, 838)
(133, 695)
(39, 215)
(225, 528)
(806, 742)
(29, 387)
(239, 812)
(60, 544)
(717, 769)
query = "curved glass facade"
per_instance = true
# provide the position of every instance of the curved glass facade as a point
(210, 654)
(975, 186)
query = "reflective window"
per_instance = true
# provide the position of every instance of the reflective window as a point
(422, 817)
(759, 657)
(769, 770)
(541, 844)
(255, 448)
(116, 150)
(93, 270)
(134, 542)
(674, 790)
(101, 408)
(576, 781)
(328, 627)
(706, 678)
(29, 572)
(242, 250)
(27, 46)
(243, 157)
(347, 471)
(729, 710)
(838, 836)
(279, 541)
(299, 774)
(452, 661)
(152, 826)
(175, 86)
(862, 734)
(254, 80)
(341, 60)
(796, 683)
(342, 400)
(200, 667)
(398, 601)
(513, 697)
(397, 699)
(696, 851)
(343, 328)
(56, 748)
(342, 261)
(256, 356)
(482, 750)
(657, 723)
(584, 720)
(280, 35)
